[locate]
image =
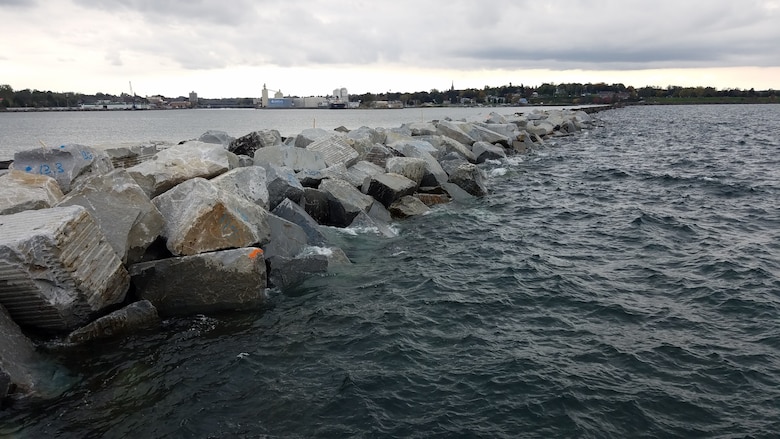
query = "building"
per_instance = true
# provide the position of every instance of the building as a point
(193, 99)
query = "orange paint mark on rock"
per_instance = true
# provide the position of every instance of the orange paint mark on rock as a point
(255, 253)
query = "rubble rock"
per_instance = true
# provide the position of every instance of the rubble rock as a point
(315, 203)
(65, 163)
(249, 183)
(201, 218)
(23, 191)
(58, 269)
(387, 188)
(309, 135)
(296, 214)
(134, 317)
(487, 151)
(410, 167)
(282, 184)
(248, 144)
(287, 239)
(334, 150)
(454, 130)
(408, 206)
(17, 358)
(124, 213)
(180, 163)
(297, 159)
(197, 284)
(344, 202)
(219, 138)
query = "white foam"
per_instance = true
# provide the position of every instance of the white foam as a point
(498, 172)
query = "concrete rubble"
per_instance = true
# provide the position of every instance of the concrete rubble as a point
(88, 251)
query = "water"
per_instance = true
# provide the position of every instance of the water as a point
(622, 283)
(21, 131)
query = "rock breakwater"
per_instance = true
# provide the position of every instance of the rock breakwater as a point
(100, 242)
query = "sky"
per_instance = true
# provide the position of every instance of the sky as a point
(230, 48)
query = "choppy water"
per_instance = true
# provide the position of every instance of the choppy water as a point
(623, 283)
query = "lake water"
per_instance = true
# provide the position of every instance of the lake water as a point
(624, 282)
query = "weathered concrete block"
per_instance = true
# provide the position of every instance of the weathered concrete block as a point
(469, 178)
(408, 206)
(410, 167)
(287, 239)
(249, 183)
(17, 358)
(248, 144)
(229, 280)
(344, 202)
(282, 183)
(23, 191)
(378, 155)
(201, 218)
(124, 213)
(180, 163)
(487, 151)
(363, 140)
(125, 155)
(421, 128)
(434, 174)
(334, 150)
(134, 317)
(65, 163)
(296, 214)
(312, 178)
(482, 134)
(387, 188)
(57, 269)
(540, 128)
(297, 159)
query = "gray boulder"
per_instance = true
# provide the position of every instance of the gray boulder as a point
(17, 358)
(287, 239)
(311, 178)
(454, 130)
(58, 268)
(201, 218)
(540, 128)
(197, 284)
(125, 155)
(408, 206)
(446, 145)
(410, 167)
(334, 149)
(363, 140)
(282, 183)
(469, 177)
(344, 202)
(286, 272)
(315, 203)
(296, 214)
(248, 144)
(494, 117)
(124, 213)
(249, 183)
(217, 137)
(180, 163)
(421, 128)
(483, 134)
(23, 191)
(378, 155)
(387, 188)
(297, 159)
(309, 135)
(65, 163)
(134, 317)
(487, 151)
(434, 173)
(362, 170)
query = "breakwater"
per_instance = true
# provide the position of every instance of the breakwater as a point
(98, 243)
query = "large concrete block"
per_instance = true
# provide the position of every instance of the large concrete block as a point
(23, 191)
(127, 217)
(180, 163)
(408, 206)
(455, 130)
(410, 167)
(200, 218)
(65, 163)
(57, 269)
(229, 280)
(335, 149)
(315, 203)
(297, 159)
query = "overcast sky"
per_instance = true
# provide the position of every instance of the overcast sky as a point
(230, 48)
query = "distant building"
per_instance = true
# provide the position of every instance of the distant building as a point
(193, 99)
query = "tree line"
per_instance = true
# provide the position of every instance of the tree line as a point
(547, 93)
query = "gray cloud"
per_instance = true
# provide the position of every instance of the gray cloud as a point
(454, 34)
